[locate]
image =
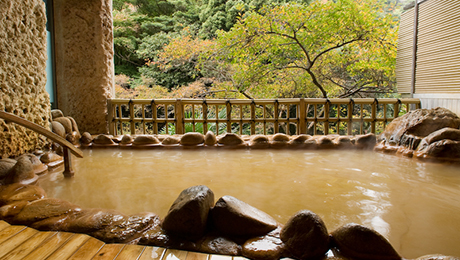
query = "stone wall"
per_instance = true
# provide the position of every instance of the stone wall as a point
(84, 61)
(22, 73)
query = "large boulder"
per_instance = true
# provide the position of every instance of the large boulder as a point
(234, 217)
(305, 235)
(359, 242)
(409, 129)
(188, 214)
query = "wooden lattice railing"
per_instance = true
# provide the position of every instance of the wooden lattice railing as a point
(259, 116)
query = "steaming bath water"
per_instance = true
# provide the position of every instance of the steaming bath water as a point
(416, 205)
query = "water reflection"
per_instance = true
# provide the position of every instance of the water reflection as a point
(405, 200)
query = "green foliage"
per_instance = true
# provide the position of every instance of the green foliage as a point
(324, 46)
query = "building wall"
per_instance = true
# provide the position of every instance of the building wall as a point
(22, 73)
(437, 78)
(84, 61)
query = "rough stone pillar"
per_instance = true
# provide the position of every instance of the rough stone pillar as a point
(84, 61)
(22, 73)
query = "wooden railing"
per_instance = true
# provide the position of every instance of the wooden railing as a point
(67, 146)
(259, 116)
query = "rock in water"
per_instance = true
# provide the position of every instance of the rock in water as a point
(230, 139)
(22, 172)
(367, 141)
(236, 218)
(305, 235)
(192, 138)
(268, 247)
(58, 128)
(417, 124)
(5, 166)
(359, 242)
(210, 139)
(188, 214)
(219, 245)
(19, 192)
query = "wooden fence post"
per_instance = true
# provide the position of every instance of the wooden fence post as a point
(179, 116)
(302, 113)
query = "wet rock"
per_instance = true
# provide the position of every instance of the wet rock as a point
(126, 229)
(72, 137)
(10, 210)
(58, 128)
(310, 144)
(279, 140)
(192, 138)
(156, 236)
(230, 139)
(50, 157)
(343, 142)
(359, 242)
(171, 140)
(5, 166)
(219, 245)
(19, 192)
(259, 142)
(42, 209)
(38, 166)
(419, 123)
(438, 257)
(66, 123)
(299, 140)
(90, 220)
(188, 214)
(236, 218)
(325, 142)
(86, 138)
(22, 172)
(367, 141)
(55, 113)
(263, 248)
(445, 133)
(74, 127)
(305, 235)
(103, 140)
(126, 139)
(145, 140)
(441, 150)
(210, 139)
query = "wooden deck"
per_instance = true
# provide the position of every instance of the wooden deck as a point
(21, 242)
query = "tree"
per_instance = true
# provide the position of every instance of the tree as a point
(333, 48)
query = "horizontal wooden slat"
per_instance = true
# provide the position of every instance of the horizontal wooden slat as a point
(16, 240)
(28, 246)
(49, 246)
(108, 252)
(152, 253)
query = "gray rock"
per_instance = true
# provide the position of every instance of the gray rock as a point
(236, 218)
(305, 235)
(188, 214)
(359, 242)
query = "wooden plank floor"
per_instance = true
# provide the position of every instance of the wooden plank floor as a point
(20, 242)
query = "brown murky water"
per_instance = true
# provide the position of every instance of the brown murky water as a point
(416, 205)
